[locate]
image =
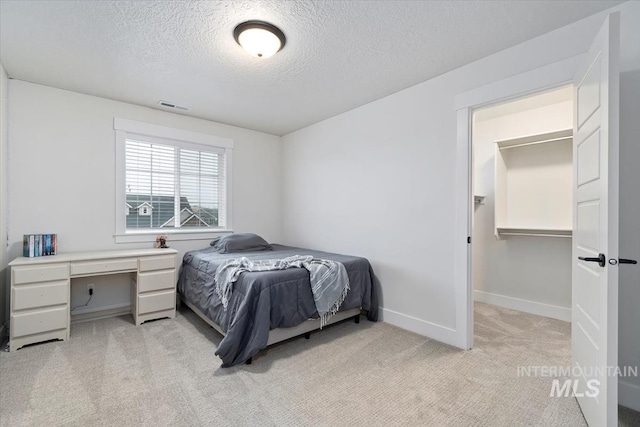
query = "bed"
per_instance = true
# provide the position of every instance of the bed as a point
(268, 306)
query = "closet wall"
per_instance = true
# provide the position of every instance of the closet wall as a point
(526, 273)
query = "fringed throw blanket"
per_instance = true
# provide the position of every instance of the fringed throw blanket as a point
(329, 279)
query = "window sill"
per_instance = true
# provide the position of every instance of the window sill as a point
(150, 235)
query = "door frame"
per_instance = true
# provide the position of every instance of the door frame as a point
(551, 76)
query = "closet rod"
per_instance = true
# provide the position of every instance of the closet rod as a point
(534, 234)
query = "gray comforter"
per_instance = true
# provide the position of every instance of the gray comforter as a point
(266, 300)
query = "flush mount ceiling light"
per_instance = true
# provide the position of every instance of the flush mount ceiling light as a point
(259, 38)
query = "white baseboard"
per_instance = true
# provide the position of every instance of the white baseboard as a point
(419, 326)
(629, 395)
(96, 313)
(86, 310)
(541, 309)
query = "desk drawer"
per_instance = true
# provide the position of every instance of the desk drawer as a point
(41, 295)
(43, 273)
(157, 263)
(40, 321)
(156, 280)
(103, 267)
(156, 302)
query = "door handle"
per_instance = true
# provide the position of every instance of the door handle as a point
(601, 260)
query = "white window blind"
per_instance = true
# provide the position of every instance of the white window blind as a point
(181, 185)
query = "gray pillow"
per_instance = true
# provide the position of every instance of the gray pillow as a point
(240, 242)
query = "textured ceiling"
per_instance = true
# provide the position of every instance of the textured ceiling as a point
(339, 54)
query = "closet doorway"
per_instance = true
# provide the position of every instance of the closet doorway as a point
(522, 215)
(595, 210)
(522, 182)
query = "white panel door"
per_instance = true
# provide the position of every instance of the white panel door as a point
(594, 332)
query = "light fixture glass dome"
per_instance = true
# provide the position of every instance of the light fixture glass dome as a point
(259, 38)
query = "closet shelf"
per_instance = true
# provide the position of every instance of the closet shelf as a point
(557, 136)
(529, 169)
(538, 232)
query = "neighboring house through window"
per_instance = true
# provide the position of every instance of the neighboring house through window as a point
(170, 181)
(143, 210)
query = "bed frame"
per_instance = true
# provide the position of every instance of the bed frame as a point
(282, 334)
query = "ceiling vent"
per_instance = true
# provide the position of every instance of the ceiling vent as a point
(173, 106)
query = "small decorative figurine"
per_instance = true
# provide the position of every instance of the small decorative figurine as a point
(161, 241)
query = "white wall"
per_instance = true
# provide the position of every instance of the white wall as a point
(4, 273)
(62, 176)
(531, 274)
(379, 180)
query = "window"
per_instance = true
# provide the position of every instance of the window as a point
(170, 181)
(173, 187)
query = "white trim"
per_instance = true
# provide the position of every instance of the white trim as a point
(527, 306)
(227, 213)
(100, 313)
(419, 326)
(149, 236)
(544, 78)
(121, 179)
(170, 133)
(87, 310)
(176, 190)
(547, 77)
(462, 260)
(628, 395)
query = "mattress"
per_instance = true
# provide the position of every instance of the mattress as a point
(266, 300)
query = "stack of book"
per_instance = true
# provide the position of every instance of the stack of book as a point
(39, 245)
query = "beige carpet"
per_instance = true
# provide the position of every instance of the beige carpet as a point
(165, 373)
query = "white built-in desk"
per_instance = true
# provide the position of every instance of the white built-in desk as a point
(41, 287)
